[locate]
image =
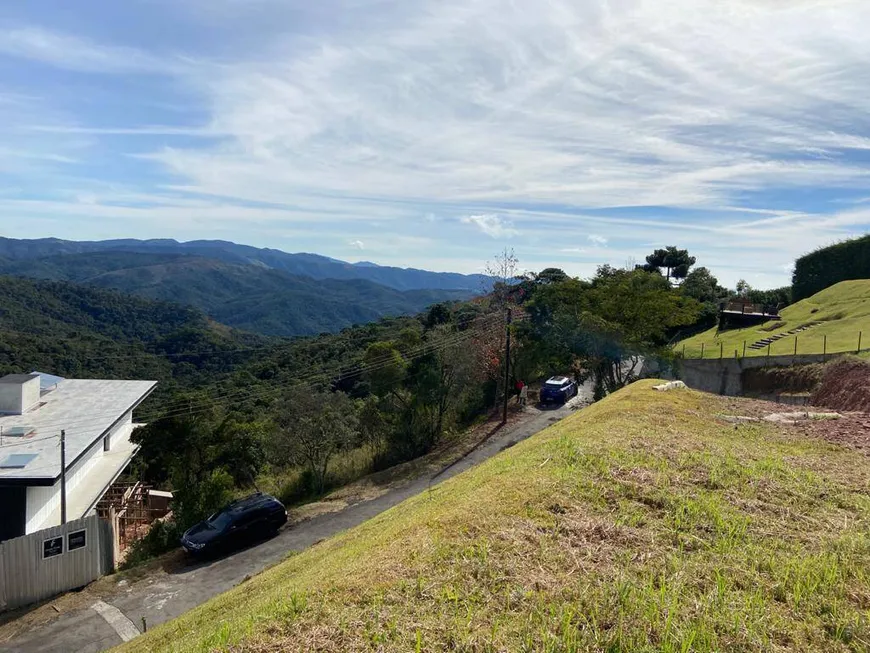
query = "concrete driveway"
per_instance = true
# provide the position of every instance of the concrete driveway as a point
(163, 596)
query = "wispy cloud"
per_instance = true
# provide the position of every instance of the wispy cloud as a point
(74, 53)
(738, 129)
(357, 244)
(492, 225)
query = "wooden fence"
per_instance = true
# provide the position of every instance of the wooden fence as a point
(40, 565)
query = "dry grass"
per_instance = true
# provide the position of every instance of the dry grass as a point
(642, 523)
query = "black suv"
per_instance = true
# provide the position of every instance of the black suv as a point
(252, 518)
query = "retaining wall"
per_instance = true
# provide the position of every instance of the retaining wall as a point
(725, 376)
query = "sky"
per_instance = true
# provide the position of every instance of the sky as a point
(436, 133)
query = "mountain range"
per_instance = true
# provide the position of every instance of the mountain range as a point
(307, 265)
(260, 290)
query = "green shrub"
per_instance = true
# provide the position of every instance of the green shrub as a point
(829, 265)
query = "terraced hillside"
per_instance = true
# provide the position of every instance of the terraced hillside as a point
(645, 522)
(832, 318)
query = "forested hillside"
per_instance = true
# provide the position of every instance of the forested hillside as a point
(73, 330)
(245, 296)
(308, 265)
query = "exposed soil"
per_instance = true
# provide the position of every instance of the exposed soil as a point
(851, 429)
(845, 386)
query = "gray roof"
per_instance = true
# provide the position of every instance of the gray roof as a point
(85, 409)
(17, 378)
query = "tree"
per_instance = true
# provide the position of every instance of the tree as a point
(603, 327)
(776, 298)
(504, 270)
(312, 427)
(550, 275)
(436, 315)
(743, 289)
(675, 261)
(700, 284)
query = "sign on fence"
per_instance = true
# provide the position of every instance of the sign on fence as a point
(40, 565)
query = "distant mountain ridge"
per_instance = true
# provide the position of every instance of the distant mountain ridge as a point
(303, 264)
(246, 295)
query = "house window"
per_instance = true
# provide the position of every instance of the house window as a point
(106, 443)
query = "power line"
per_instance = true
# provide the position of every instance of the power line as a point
(323, 376)
(220, 352)
(355, 368)
(189, 408)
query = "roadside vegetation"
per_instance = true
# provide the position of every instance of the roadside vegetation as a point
(837, 314)
(644, 522)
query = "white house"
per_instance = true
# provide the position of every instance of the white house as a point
(96, 417)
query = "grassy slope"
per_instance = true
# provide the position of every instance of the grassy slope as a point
(641, 523)
(845, 308)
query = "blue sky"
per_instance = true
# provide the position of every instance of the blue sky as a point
(434, 133)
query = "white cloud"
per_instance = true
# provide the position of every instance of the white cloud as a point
(492, 225)
(551, 119)
(357, 244)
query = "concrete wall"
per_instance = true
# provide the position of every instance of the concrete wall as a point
(16, 398)
(725, 376)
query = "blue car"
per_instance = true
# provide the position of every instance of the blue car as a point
(558, 389)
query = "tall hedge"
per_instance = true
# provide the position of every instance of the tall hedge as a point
(829, 265)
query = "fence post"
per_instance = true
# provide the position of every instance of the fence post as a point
(795, 345)
(767, 362)
(721, 350)
(744, 349)
(702, 348)
(860, 333)
(684, 350)
(825, 348)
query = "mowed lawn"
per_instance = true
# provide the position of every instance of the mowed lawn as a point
(642, 523)
(843, 309)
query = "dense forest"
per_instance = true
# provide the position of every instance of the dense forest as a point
(242, 295)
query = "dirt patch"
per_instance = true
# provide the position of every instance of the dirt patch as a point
(845, 386)
(851, 430)
(770, 380)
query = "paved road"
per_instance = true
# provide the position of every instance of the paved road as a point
(168, 595)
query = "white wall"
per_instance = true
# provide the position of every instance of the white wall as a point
(79, 471)
(41, 502)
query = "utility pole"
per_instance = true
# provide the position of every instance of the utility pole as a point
(507, 364)
(63, 477)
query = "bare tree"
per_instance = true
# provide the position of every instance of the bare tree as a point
(504, 269)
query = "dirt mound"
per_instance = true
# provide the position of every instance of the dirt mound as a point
(796, 378)
(845, 386)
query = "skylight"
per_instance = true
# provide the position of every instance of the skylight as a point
(16, 431)
(17, 460)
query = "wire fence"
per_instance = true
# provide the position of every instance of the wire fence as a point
(787, 344)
